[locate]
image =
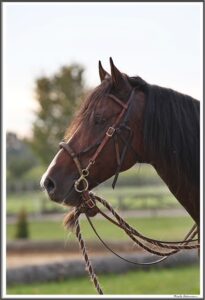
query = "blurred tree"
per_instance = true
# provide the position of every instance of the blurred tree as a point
(19, 156)
(57, 97)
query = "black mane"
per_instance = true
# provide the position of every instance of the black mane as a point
(171, 128)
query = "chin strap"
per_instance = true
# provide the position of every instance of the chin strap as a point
(120, 158)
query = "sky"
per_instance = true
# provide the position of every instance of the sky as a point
(161, 42)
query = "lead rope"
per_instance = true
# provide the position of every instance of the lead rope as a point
(71, 220)
(131, 231)
(89, 267)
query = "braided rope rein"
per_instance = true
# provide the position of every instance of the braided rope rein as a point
(89, 267)
(131, 231)
(72, 221)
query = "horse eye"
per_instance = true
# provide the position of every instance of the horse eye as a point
(98, 120)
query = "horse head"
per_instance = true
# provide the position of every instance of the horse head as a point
(108, 128)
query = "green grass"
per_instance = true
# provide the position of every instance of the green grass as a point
(168, 228)
(176, 281)
(128, 197)
(139, 197)
(31, 201)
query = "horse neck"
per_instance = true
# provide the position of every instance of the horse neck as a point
(185, 192)
(170, 142)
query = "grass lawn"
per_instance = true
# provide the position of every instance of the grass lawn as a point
(168, 228)
(180, 281)
(129, 197)
(31, 201)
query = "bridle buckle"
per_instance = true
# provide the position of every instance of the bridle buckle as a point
(110, 131)
(88, 199)
(90, 203)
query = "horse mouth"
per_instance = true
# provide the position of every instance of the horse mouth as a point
(72, 198)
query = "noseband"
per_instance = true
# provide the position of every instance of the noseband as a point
(81, 184)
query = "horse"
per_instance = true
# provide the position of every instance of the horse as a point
(141, 123)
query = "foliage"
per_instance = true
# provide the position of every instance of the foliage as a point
(34, 174)
(57, 96)
(177, 281)
(22, 225)
(20, 157)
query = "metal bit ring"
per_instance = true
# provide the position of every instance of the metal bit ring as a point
(82, 180)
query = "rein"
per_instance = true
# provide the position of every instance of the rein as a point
(161, 248)
(89, 200)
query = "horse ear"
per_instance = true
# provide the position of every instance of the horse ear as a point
(115, 73)
(102, 72)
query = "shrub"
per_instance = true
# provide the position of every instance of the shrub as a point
(22, 231)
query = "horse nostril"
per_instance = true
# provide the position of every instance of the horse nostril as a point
(49, 184)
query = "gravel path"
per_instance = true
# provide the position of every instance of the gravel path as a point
(22, 253)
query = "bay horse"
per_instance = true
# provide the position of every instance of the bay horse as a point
(159, 126)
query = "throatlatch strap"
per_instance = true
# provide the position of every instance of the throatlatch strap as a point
(117, 149)
(122, 157)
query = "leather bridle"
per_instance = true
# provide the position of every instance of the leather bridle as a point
(90, 208)
(81, 185)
